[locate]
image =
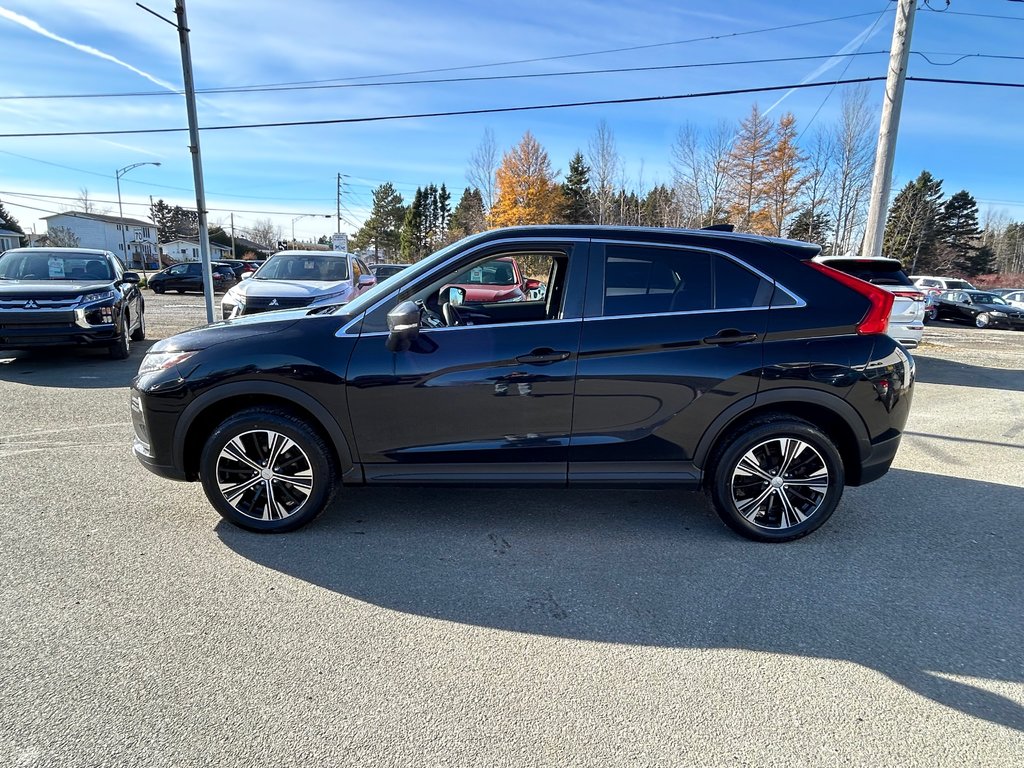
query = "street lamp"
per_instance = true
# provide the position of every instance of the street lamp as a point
(120, 210)
(305, 216)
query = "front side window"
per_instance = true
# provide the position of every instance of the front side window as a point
(641, 280)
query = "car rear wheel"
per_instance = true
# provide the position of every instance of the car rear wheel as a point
(121, 349)
(158, 289)
(933, 314)
(776, 480)
(268, 471)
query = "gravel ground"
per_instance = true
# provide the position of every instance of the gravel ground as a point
(492, 628)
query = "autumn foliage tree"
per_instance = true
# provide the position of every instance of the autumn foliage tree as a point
(748, 165)
(525, 188)
(784, 180)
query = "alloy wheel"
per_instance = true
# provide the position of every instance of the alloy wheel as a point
(779, 483)
(982, 320)
(264, 475)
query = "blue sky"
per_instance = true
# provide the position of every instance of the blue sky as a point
(968, 136)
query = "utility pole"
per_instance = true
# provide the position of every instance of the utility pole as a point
(193, 135)
(339, 204)
(881, 181)
(233, 251)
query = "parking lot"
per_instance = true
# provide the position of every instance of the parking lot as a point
(509, 627)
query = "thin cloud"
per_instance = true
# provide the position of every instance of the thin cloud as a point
(29, 24)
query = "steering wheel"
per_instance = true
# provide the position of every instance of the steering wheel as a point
(451, 315)
(429, 318)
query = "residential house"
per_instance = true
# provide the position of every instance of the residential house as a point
(9, 239)
(133, 240)
(188, 250)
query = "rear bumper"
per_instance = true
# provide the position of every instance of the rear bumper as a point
(879, 459)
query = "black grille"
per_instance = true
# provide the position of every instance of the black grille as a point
(261, 304)
(30, 319)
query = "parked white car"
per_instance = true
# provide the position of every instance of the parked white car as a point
(932, 283)
(906, 321)
(293, 279)
(1015, 299)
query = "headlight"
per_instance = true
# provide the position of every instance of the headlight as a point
(161, 361)
(997, 314)
(330, 296)
(99, 296)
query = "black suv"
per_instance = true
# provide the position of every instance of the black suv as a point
(69, 296)
(655, 358)
(188, 276)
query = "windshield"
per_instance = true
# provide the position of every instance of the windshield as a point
(987, 298)
(54, 265)
(496, 272)
(407, 275)
(328, 267)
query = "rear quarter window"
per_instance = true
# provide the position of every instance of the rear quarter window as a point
(878, 274)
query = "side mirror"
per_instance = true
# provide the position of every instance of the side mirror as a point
(454, 295)
(532, 285)
(366, 280)
(246, 275)
(404, 326)
(130, 277)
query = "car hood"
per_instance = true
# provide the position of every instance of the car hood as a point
(289, 289)
(996, 308)
(230, 330)
(29, 288)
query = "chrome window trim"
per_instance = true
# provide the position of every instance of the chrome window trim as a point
(799, 303)
(455, 257)
(482, 326)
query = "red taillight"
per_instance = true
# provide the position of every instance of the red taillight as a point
(912, 295)
(876, 319)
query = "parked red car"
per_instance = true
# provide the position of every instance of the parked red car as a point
(495, 281)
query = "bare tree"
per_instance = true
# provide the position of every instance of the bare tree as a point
(850, 182)
(820, 158)
(604, 162)
(483, 164)
(700, 165)
(265, 233)
(61, 237)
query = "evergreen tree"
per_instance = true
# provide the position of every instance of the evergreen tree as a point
(657, 209)
(810, 226)
(910, 228)
(469, 216)
(526, 188)
(412, 243)
(958, 232)
(162, 215)
(748, 163)
(577, 200)
(784, 179)
(444, 213)
(8, 222)
(381, 230)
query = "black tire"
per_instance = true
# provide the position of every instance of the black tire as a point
(785, 512)
(249, 433)
(180, 290)
(139, 334)
(158, 289)
(121, 349)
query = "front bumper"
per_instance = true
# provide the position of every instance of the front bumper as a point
(25, 329)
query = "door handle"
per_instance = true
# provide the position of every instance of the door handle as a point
(543, 356)
(730, 336)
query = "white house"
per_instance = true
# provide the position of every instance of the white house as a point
(188, 250)
(9, 239)
(131, 239)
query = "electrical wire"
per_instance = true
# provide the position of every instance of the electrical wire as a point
(41, 197)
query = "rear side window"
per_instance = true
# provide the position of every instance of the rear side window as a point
(640, 280)
(872, 271)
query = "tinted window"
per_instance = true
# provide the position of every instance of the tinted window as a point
(645, 280)
(874, 271)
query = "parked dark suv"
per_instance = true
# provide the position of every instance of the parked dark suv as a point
(655, 358)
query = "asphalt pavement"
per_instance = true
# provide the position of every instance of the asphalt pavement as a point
(509, 628)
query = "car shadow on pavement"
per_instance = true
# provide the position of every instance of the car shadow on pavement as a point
(921, 592)
(71, 367)
(936, 370)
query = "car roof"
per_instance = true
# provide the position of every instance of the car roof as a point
(48, 249)
(311, 253)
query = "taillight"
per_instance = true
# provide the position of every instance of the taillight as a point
(876, 319)
(912, 295)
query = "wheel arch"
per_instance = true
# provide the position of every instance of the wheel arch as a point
(208, 410)
(831, 413)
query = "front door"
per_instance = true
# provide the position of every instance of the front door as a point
(671, 337)
(486, 397)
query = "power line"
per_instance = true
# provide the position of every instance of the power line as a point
(452, 113)
(498, 110)
(480, 78)
(40, 196)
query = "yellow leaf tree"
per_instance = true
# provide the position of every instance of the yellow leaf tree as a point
(748, 169)
(784, 180)
(525, 188)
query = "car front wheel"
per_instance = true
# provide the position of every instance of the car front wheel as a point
(776, 480)
(267, 470)
(121, 349)
(982, 320)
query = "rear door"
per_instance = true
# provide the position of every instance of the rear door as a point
(671, 337)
